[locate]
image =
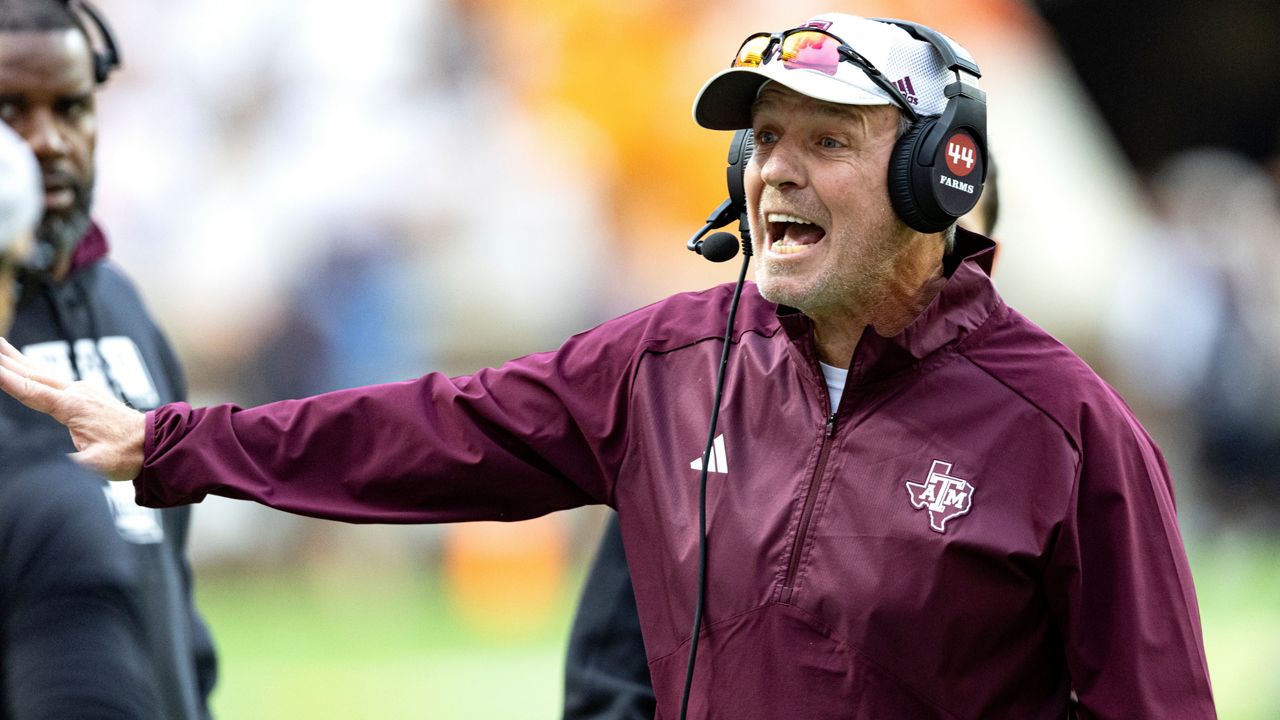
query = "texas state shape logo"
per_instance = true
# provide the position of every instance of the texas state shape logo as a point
(945, 496)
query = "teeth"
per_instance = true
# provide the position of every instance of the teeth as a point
(783, 217)
(786, 248)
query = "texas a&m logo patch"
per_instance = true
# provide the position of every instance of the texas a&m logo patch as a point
(945, 497)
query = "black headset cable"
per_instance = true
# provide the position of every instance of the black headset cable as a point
(706, 463)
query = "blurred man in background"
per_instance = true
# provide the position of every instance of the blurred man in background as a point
(72, 643)
(80, 318)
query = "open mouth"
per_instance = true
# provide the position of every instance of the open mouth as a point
(788, 234)
(58, 198)
(59, 191)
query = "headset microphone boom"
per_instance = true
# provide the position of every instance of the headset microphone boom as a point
(723, 246)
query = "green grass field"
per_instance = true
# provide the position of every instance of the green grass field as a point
(369, 645)
(1238, 582)
(373, 646)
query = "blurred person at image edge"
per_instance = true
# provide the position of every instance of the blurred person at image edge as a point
(80, 318)
(71, 636)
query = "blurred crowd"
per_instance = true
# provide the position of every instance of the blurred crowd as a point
(1194, 333)
(320, 195)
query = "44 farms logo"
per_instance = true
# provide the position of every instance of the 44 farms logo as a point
(945, 497)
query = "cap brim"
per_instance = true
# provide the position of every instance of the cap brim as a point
(724, 102)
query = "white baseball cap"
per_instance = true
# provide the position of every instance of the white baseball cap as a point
(21, 190)
(913, 66)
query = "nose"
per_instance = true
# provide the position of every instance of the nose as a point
(45, 134)
(782, 166)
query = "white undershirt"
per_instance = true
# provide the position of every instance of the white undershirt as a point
(835, 378)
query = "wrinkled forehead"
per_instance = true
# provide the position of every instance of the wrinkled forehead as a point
(57, 61)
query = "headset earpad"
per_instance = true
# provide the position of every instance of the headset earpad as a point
(741, 148)
(106, 56)
(903, 193)
(931, 193)
(101, 68)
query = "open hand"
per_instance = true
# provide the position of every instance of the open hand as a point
(107, 434)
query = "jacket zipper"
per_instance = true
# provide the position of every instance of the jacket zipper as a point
(811, 498)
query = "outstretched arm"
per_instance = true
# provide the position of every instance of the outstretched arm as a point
(107, 434)
(541, 433)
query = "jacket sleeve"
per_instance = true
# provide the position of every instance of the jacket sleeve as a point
(73, 634)
(541, 433)
(1120, 585)
(607, 671)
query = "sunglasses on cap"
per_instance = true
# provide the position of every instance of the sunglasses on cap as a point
(806, 48)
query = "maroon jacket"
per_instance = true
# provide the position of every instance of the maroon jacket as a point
(981, 527)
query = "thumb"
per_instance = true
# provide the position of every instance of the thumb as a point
(107, 463)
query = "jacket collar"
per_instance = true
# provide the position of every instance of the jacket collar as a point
(91, 248)
(967, 299)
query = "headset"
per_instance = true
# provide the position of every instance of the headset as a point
(936, 174)
(90, 21)
(939, 165)
(723, 246)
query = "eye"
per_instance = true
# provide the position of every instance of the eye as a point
(765, 137)
(830, 143)
(75, 107)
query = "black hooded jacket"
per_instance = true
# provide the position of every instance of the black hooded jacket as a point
(72, 641)
(93, 326)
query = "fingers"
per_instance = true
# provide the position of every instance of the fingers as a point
(7, 348)
(108, 433)
(31, 385)
(28, 390)
(21, 365)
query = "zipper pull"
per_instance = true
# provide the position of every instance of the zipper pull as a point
(831, 424)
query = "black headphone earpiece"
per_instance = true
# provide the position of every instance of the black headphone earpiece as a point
(741, 148)
(106, 55)
(938, 167)
(901, 193)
